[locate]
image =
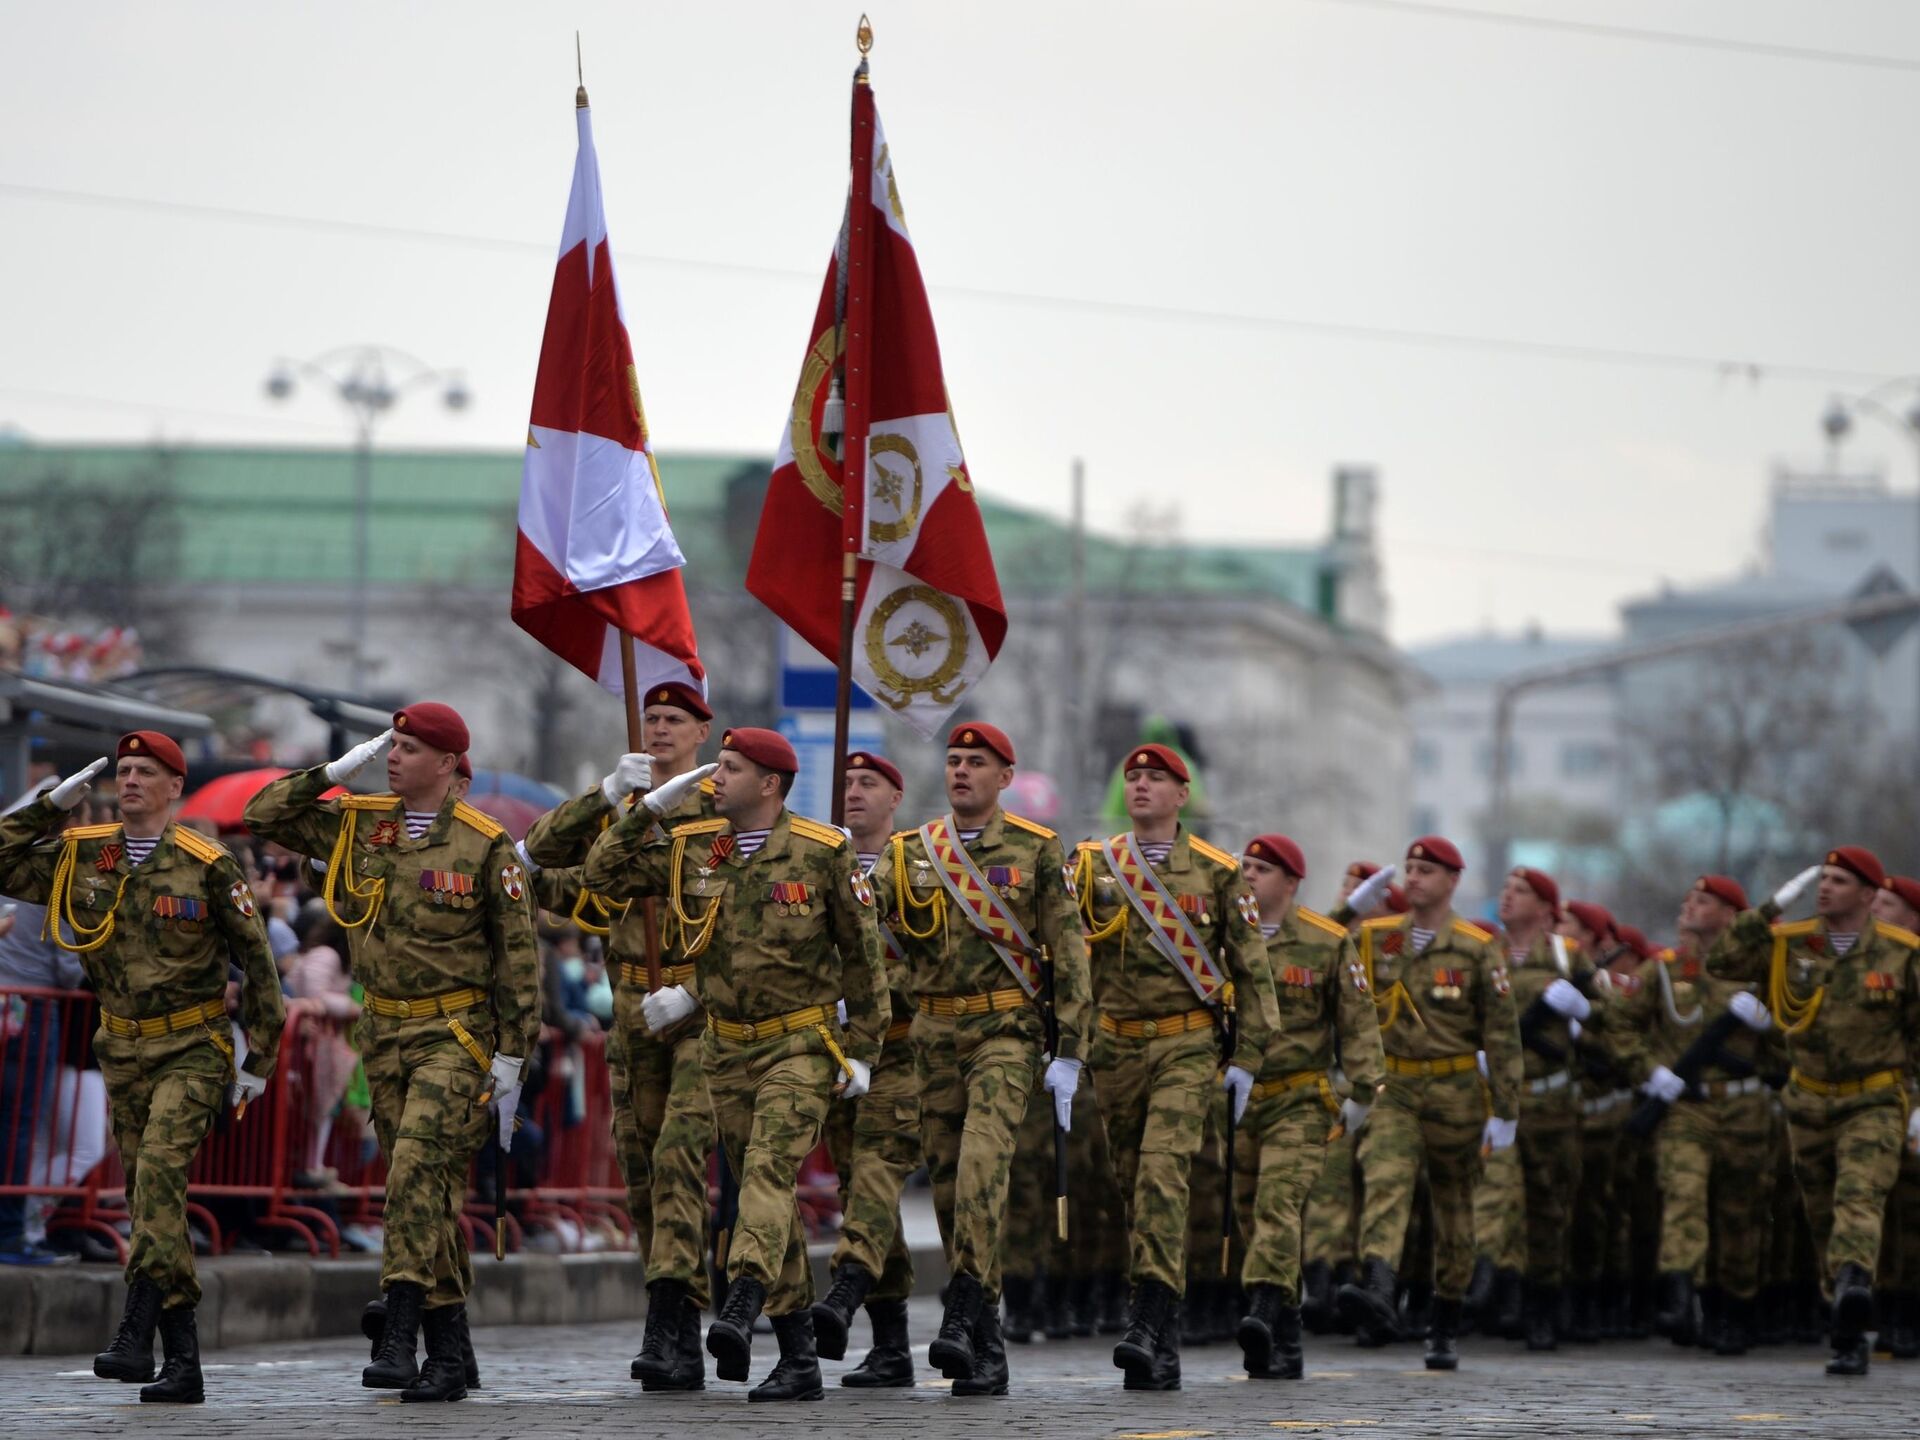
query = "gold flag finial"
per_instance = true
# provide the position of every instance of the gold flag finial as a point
(863, 37)
(580, 71)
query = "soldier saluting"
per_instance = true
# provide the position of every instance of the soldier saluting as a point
(156, 912)
(438, 902)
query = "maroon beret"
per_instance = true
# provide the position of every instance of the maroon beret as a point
(766, 748)
(879, 764)
(1540, 883)
(1634, 939)
(1363, 869)
(1723, 888)
(1596, 918)
(1860, 861)
(972, 735)
(1157, 757)
(680, 695)
(432, 723)
(152, 745)
(1281, 851)
(1439, 850)
(1906, 888)
(463, 767)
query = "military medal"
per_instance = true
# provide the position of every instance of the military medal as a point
(790, 897)
(387, 832)
(1005, 879)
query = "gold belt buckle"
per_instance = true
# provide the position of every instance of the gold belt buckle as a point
(1149, 1029)
(749, 1031)
(959, 1004)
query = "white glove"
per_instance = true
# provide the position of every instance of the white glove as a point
(520, 849)
(675, 790)
(1663, 1084)
(1354, 1115)
(247, 1087)
(1239, 1084)
(1913, 1132)
(858, 1083)
(1498, 1134)
(359, 757)
(1480, 1062)
(1563, 998)
(1748, 1010)
(72, 790)
(1791, 891)
(1062, 1079)
(1372, 889)
(1573, 1029)
(505, 1075)
(666, 1007)
(630, 773)
(840, 1011)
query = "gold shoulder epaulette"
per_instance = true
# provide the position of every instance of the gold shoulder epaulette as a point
(1319, 921)
(368, 802)
(820, 834)
(198, 846)
(1573, 946)
(1793, 929)
(699, 827)
(1895, 932)
(1471, 930)
(479, 820)
(1020, 822)
(1381, 922)
(1214, 853)
(706, 786)
(1086, 845)
(91, 832)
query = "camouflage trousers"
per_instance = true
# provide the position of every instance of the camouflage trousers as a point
(1500, 1210)
(1332, 1218)
(1789, 1247)
(976, 1076)
(1549, 1146)
(875, 1145)
(1154, 1096)
(1278, 1159)
(1207, 1191)
(1900, 1249)
(1602, 1229)
(770, 1100)
(429, 1121)
(662, 1134)
(1714, 1158)
(163, 1096)
(1433, 1121)
(1096, 1225)
(1846, 1156)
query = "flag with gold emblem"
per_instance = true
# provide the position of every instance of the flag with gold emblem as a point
(872, 405)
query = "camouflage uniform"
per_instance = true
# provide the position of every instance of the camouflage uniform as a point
(1850, 1024)
(776, 939)
(445, 924)
(178, 920)
(662, 1114)
(1096, 1229)
(1318, 989)
(1500, 1211)
(978, 1069)
(1156, 1085)
(1437, 1007)
(1600, 1259)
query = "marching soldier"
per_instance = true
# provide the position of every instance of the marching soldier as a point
(776, 916)
(1162, 908)
(979, 898)
(1325, 1013)
(1844, 991)
(156, 913)
(874, 1140)
(437, 902)
(662, 1113)
(1443, 992)
(1898, 903)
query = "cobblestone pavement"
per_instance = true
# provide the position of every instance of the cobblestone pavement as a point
(546, 1381)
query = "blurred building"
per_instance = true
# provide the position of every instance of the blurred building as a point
(1271, 657)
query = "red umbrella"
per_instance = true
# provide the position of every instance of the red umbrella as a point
(224, 800)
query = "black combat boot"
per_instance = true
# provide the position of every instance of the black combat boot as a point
(1736, 1325)
(889, 1365)
(1112, 1289)
(1543, 1302)
(989, 1375)
(1256, 1329)
(1476, 1307)
(797, 1376)
(373, 1325)
(1084, 1307)
(1903, 1342)
(1674, 1318)
(1017, 1291)
(1316, 1296)
(1442, 1331)
(730, 1337)
(1509, 1306)
(1288, 1362)
(833, 1313)
(1713, 1314)
(444, 1376)
(1852, 1303)
(130, 1356)
(1144, 1349)
(1055, 1306)
(469, 1364)
(1369, 1303)
(952, 1349)
(1585, 1329)
(1346, 1273)
(394, 1367)
(1192, 1312)
(180, 1381)
(660, 1341)
(688, 1370)
(1849, 1355)
(1771, 1324)
(1417, 1312)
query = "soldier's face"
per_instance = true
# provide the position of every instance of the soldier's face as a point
(870, 802)
(416, 769)
(1573, 930)
(1153, 795)
(147, 789)
(673, 736)
(975, 779)
(1521, 905)
(741, 787)
(1704, 914)
(1891, 908)
(1350, 882)
(1272, 886)
(1841, 893)
(1427, 883)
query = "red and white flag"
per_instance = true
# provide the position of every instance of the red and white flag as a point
(930, 617)
(596, 555)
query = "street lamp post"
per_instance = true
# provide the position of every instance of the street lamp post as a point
(369, 380)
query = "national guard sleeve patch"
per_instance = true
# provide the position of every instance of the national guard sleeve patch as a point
(1501, 982)
(1066, 875)
(1359, 974)
(514, 881)
(1249, 910)
(862, 891)
(242, 896)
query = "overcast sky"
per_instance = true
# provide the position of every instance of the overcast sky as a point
(1169, 238)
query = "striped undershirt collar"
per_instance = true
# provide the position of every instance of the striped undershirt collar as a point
(1841, 942)
(967, 837)
(419, 822)
(747, 842)
(1269, 928)
(1422, 938)
(1156, 851)
(868, 859)
(139, 847)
